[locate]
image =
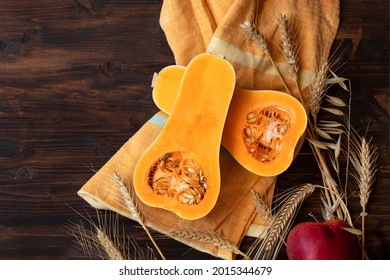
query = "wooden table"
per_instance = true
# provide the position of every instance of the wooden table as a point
(75, 81)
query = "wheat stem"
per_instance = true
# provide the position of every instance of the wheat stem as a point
(363, 231)
(348, 139)
(132, 206)
(338, 200)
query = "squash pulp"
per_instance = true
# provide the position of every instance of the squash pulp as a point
(180, 170)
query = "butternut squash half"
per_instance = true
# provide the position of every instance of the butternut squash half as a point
(180, 170)
(262, 127)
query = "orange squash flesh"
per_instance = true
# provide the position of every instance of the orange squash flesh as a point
(166, 85)
(189, 142)
(279, 124)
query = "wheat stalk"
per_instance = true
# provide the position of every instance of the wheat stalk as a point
(132, 205)
(289, 50)
(206, 237)
(327, 129)
(289, 45)
(129, 199)
(103, 238)
(366, 166)
(255, 35)
(283, 217)
(364, 158)
(269, 246)
(318, 90)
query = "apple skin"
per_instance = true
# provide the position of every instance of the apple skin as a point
(322, 241)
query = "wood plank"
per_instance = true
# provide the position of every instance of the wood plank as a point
(75, 81)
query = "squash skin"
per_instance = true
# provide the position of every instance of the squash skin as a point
(243, 102)
(194, 129)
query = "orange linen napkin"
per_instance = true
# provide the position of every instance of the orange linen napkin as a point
(196, 26)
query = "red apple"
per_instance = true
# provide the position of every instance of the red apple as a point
(322, 241)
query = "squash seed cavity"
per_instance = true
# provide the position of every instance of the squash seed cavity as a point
(178, 177)
(264, 131)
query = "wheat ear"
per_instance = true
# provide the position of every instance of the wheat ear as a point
(364, 158)
(132, 205)
(206, 237)
(318, 90)
(263, 208)
(285, 214)
(96, 242)
(269, 247)
(256, 36)
(289, 45)
(103, 238)
(109, 246)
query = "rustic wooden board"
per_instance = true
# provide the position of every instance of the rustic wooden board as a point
(75, 85)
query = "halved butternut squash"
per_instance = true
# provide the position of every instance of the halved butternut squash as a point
(180, 170)
(262, 127)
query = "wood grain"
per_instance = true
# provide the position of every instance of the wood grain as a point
(75, 81)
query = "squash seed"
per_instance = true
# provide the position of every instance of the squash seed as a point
(264, 131)
(178, 177)
(251, 117)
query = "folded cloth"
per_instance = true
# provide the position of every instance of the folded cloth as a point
(195, 26)
(230, 218)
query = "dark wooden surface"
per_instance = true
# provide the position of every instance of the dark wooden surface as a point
(75, 85)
